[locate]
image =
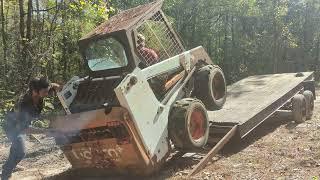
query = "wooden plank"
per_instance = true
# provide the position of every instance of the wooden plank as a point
(213, 151)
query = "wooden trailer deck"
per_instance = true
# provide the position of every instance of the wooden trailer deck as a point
(252, 100)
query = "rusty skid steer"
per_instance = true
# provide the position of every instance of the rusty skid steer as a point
(145, 95)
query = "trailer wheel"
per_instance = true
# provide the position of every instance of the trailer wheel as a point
(188, 124)
(308, 95)
(210, 87)
(299, 108)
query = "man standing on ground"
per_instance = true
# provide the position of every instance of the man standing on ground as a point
(17, 123)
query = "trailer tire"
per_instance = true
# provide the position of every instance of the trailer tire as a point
(308, 95)
(210, 87)
(188, 124)
(299, 108)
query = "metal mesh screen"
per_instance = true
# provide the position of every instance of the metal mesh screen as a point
(155, 41)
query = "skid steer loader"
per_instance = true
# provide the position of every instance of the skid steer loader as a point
(145, 95)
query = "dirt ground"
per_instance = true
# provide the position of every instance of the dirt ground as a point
(277, 149)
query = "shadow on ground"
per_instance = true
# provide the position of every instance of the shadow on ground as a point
(267, 127)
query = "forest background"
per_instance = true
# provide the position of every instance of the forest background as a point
(244, 37)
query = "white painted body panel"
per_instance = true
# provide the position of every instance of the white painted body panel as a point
(68, 93)
(143, 106)
(148, 114)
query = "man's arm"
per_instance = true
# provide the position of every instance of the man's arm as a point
(155, 55)
(34, 130)
(54, 88)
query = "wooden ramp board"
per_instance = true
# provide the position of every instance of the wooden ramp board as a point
(253, 99)
(213, 151)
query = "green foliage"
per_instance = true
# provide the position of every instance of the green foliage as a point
(263, 36)
(93, 10)
(6, 105)
(52, 48)
(157, 37)
(244, 37)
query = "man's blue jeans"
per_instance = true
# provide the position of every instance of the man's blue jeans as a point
(17, 153)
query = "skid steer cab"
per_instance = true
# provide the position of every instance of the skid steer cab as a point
(144, 96)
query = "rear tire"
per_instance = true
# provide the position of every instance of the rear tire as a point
(188, 124)
(299, 108)
(308, 95)
(210, 87)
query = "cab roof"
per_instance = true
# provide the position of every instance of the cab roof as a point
(125, 19)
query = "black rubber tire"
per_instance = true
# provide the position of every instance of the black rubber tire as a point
(180, 124)
(299, 108)
(210, 87)
(308, 95)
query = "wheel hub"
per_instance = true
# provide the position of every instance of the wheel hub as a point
(197, 126)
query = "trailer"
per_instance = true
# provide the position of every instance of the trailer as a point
(254, 99)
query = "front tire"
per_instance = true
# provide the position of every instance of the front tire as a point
(188, 124)
(210, 87)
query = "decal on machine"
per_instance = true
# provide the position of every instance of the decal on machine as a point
(99, 156)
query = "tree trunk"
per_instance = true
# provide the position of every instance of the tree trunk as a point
(209, 45)
(225, 45)
(64, 44)
(232, 49)
(64, 56)
(218, 47)
(21, 24)
(194, 24)
(318, 51)
(225, 49)
(51, 64)
(36, 24)
(29, 21)
(23, 53)
(275, 38)
(317, 60)
(28, 34)
(232, 32)
(38, 12)
(306, 27)
(4, 41)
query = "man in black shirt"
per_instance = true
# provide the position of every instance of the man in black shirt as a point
(17, 122)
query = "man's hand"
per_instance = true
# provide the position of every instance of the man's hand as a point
(56, 87)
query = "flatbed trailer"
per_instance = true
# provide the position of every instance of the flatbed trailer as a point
(250, 102)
